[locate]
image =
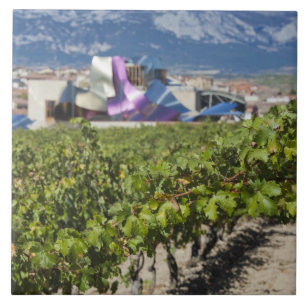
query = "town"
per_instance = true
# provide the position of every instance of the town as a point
(42, 88)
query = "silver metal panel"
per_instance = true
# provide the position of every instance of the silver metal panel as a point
(101, 77)
(90, 101)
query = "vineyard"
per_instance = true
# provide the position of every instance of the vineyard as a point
(86, 200)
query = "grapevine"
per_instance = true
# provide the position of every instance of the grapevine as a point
(84, 200)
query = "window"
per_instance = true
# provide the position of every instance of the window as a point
(50, 109)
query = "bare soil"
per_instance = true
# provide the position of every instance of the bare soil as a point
(256, 258)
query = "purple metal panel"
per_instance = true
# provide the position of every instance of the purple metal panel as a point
(127, 96)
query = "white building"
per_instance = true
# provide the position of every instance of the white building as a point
(43, 96)
(251, 98)
(279, 99)
(186, 95)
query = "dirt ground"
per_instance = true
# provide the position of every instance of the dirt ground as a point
(256, 258)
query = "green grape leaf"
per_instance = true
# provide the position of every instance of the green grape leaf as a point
(289, 152)
(247, 123)
(209, 167)
(148, 217)
(200, 204)
(200, 190)
(161, 217)
(115, 248)
(211, 210)
(267, 205)
(153, 204)
(257, 122)
(115, 209)
(84, 285)
(251, 203)
(206, 155)
(43, 260)
(258, 154)
(185, 210)
(273, 145)
(139, 183)
(134, 227)
(63, 246)
(270, 188)
(243, 153)
(78, 248)
(92, 237)
(226, 202)
(291, 207)
(160, 169)
(134, 244)
(262, 136)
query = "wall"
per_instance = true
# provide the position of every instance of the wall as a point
(38, 92)
(187, 97)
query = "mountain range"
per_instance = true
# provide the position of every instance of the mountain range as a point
(188, 42)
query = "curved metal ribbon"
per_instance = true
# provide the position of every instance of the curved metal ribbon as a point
(91, 101)
(127, 96)
(101, 85)
(101, 77)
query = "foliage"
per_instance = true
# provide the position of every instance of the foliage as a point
(83, 200)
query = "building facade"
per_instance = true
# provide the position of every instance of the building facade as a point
(187, 96)
(43, 96)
